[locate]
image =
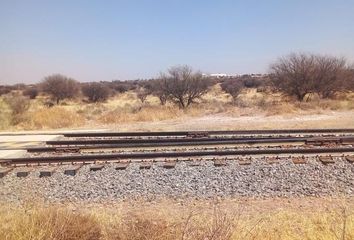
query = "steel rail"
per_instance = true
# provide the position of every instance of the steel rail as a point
(192, 140)
(163, 144)
(221, 132)
(98, 157)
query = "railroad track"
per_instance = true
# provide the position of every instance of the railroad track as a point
(118, 147)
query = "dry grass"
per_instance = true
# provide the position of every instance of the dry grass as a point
(47, 224)
(126, 109)
(5, 115)
(52, 118)
(229, 219)
(139, 114)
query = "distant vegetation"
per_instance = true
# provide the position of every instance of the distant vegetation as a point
(294, 79)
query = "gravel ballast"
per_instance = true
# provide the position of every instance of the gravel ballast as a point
(260, 179)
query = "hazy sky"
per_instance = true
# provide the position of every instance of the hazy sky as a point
(105, 40)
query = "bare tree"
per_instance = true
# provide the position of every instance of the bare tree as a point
(301, 74)
(183, 86)
(331, 75)
(157, 90)
(60, 87)
(232, 87)
(350, 79)
(295, 74)
(95, 92)
(142, 94)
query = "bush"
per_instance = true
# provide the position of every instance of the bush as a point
(95, 92)
(60, 87)
(302, 74)
(19, 106)
(32, 92)
(183, 86)
(121, 86)
(251, 82)
(5, 90)
(142, 94)
(232, 87)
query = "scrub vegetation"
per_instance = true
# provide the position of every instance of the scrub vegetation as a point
(167, 219)
(296, 84)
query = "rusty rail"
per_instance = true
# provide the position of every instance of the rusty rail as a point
(121, 156)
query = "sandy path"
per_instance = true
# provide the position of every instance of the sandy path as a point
(330, 119)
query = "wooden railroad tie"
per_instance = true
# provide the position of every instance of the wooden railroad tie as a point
(23, 173)
(73, 169)
(195, 163)
(272, 160)
(299, 160)
(145, 165)
(47, 172)
(326, 159)
(169, 164)
(350, 159)
(244, 162)
(96, 167)
(219, 162)
(121, 166)
(4, 171)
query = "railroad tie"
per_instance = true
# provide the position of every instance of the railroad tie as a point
(244, 162)
(299, 160)
(272, 160)
(195, 163)
(4, 171)
(350, 159)
(326, 159)
(72, 170)
(219, 162)
(96, 167)
(169, 164)
(145, 165)
(23, 173)
(121, 166)
(47, 172)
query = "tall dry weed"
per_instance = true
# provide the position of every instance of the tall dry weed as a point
(52, 118)
(194, 221)
(48, 224)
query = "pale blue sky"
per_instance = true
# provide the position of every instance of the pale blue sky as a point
(106, 40)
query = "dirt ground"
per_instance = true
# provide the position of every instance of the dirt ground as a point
(223, 121)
